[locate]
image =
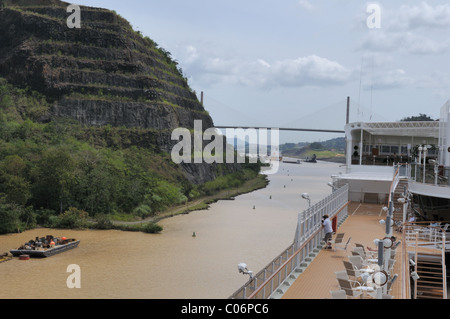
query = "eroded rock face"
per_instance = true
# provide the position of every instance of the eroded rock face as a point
(103, 73)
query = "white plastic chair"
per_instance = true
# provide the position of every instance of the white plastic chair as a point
(352, 271)
(342, 246)
(337, 240)
(357, 261)
(349, 287)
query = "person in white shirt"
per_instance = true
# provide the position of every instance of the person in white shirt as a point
(326, 224)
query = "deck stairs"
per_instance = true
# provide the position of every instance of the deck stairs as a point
(431, 271)
(428, 252)
(398, 192)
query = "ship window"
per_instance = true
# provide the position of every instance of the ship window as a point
(385, 149)
(394, 149)
(367, 148)
(404, 150)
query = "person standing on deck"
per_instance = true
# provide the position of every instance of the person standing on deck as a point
(328, 228)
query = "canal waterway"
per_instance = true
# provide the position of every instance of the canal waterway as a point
(253, 228)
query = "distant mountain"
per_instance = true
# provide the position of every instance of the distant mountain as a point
(331, 149)
(337, 144)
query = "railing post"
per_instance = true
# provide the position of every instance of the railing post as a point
(444, 270)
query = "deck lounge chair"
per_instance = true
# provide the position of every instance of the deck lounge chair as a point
(358, 251)
(342, 246)
(337, 240)
(369, 253)
(342, 274)
(351, 270)
(357, 261)
(349, 287)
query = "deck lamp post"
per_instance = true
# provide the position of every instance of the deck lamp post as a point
(332, 186)
(402, 200)
(306, 196)
(424, 162)
(420, 154)
(405, 201)
(242, 268)
(436, 171)
(389, 220)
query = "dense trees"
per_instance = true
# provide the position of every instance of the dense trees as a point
(61, 174)
(52, 179)
(420, 117)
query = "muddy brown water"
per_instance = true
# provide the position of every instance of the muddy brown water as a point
(254, 228)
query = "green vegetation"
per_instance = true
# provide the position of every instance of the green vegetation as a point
(64, 175)
(331, 150)
(420, 117)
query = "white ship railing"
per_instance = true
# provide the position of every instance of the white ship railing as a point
(311, 219)
(308, 237)
(430, 174)
(395, 181)
(423, 237)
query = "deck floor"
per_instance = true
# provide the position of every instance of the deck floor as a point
(319, 278)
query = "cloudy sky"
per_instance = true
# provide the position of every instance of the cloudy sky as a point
(292, 63)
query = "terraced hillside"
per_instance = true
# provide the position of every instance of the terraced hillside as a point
(102, 73)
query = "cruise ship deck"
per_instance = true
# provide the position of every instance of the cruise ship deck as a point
(319, 278)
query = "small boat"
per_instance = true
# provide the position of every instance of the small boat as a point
(291, 161)
(45, 247)
(311, 160)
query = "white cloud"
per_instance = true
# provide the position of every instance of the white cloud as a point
(190, 54)
(208, 68)
(306, 5)
(409, 17)
(309, 70)
(407, 29)
(392, 79)
(407, 42)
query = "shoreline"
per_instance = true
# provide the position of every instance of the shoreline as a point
(202, 203)
(259, 182)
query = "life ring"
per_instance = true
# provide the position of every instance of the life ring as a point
(24, 257)
(388, 242)
(380, 278)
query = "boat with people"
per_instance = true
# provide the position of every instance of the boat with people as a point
(45, 246)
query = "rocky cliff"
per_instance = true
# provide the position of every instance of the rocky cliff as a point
(103, 73)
